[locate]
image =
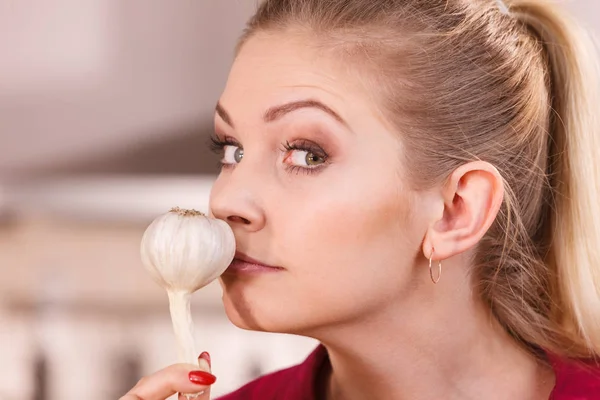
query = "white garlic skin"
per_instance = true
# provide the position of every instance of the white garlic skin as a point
(184, 250)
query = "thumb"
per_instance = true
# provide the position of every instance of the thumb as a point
(204, 363)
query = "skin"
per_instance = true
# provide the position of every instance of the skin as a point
(165, 383)
(354, 240)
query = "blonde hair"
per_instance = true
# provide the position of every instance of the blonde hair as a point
(463, 80)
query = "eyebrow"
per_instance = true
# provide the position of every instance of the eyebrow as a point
(223, 114)
(277, 112)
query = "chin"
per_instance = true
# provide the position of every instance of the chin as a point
(264, 310)
(241, 314)
(251, 315)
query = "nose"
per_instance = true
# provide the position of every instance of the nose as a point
(236, 199)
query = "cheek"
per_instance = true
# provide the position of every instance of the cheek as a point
(351, 238)
(335, 252)
(348, 252)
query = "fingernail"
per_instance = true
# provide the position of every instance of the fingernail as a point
(202, 378)
(205, 356)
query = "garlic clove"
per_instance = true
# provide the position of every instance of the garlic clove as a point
(186, 250)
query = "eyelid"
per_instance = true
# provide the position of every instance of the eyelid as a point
(217, 143)
(224, 139)
(306, 145)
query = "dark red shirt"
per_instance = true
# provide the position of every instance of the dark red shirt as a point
(573, 382)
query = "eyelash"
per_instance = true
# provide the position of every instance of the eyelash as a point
(218, 144)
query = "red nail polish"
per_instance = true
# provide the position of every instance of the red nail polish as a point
(202, 378)
(205, 356)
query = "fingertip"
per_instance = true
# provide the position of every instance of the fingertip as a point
(204, 361)
(205, 356)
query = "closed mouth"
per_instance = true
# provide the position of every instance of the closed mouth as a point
(243, 263)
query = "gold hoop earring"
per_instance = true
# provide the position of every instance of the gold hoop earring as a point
(439, 274)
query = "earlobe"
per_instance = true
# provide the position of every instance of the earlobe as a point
(471, 200)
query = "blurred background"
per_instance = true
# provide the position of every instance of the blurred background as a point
(105, 111)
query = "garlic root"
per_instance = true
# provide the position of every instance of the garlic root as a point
(183, 326)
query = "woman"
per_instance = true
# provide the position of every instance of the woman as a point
(413, 183)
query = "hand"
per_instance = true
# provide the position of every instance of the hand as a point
(178, 378)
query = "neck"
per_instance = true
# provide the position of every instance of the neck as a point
(431, 353)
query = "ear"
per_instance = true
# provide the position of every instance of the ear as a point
(471, 200)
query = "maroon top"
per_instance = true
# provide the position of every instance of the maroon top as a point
(301, 382)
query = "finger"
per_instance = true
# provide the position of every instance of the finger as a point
(178, 378)
(205, 365)
(204, 361)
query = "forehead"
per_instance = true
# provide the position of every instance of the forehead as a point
(272, 68)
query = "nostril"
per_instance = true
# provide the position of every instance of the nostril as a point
(237, 218)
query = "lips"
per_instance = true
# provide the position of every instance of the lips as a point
(246, 264)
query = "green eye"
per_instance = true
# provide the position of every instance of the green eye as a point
(313, 159)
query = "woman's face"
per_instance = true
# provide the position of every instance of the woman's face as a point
(312, 184)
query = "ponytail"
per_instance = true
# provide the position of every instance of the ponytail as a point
(574, 171)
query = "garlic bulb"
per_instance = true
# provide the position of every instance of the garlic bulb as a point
(184, 250)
